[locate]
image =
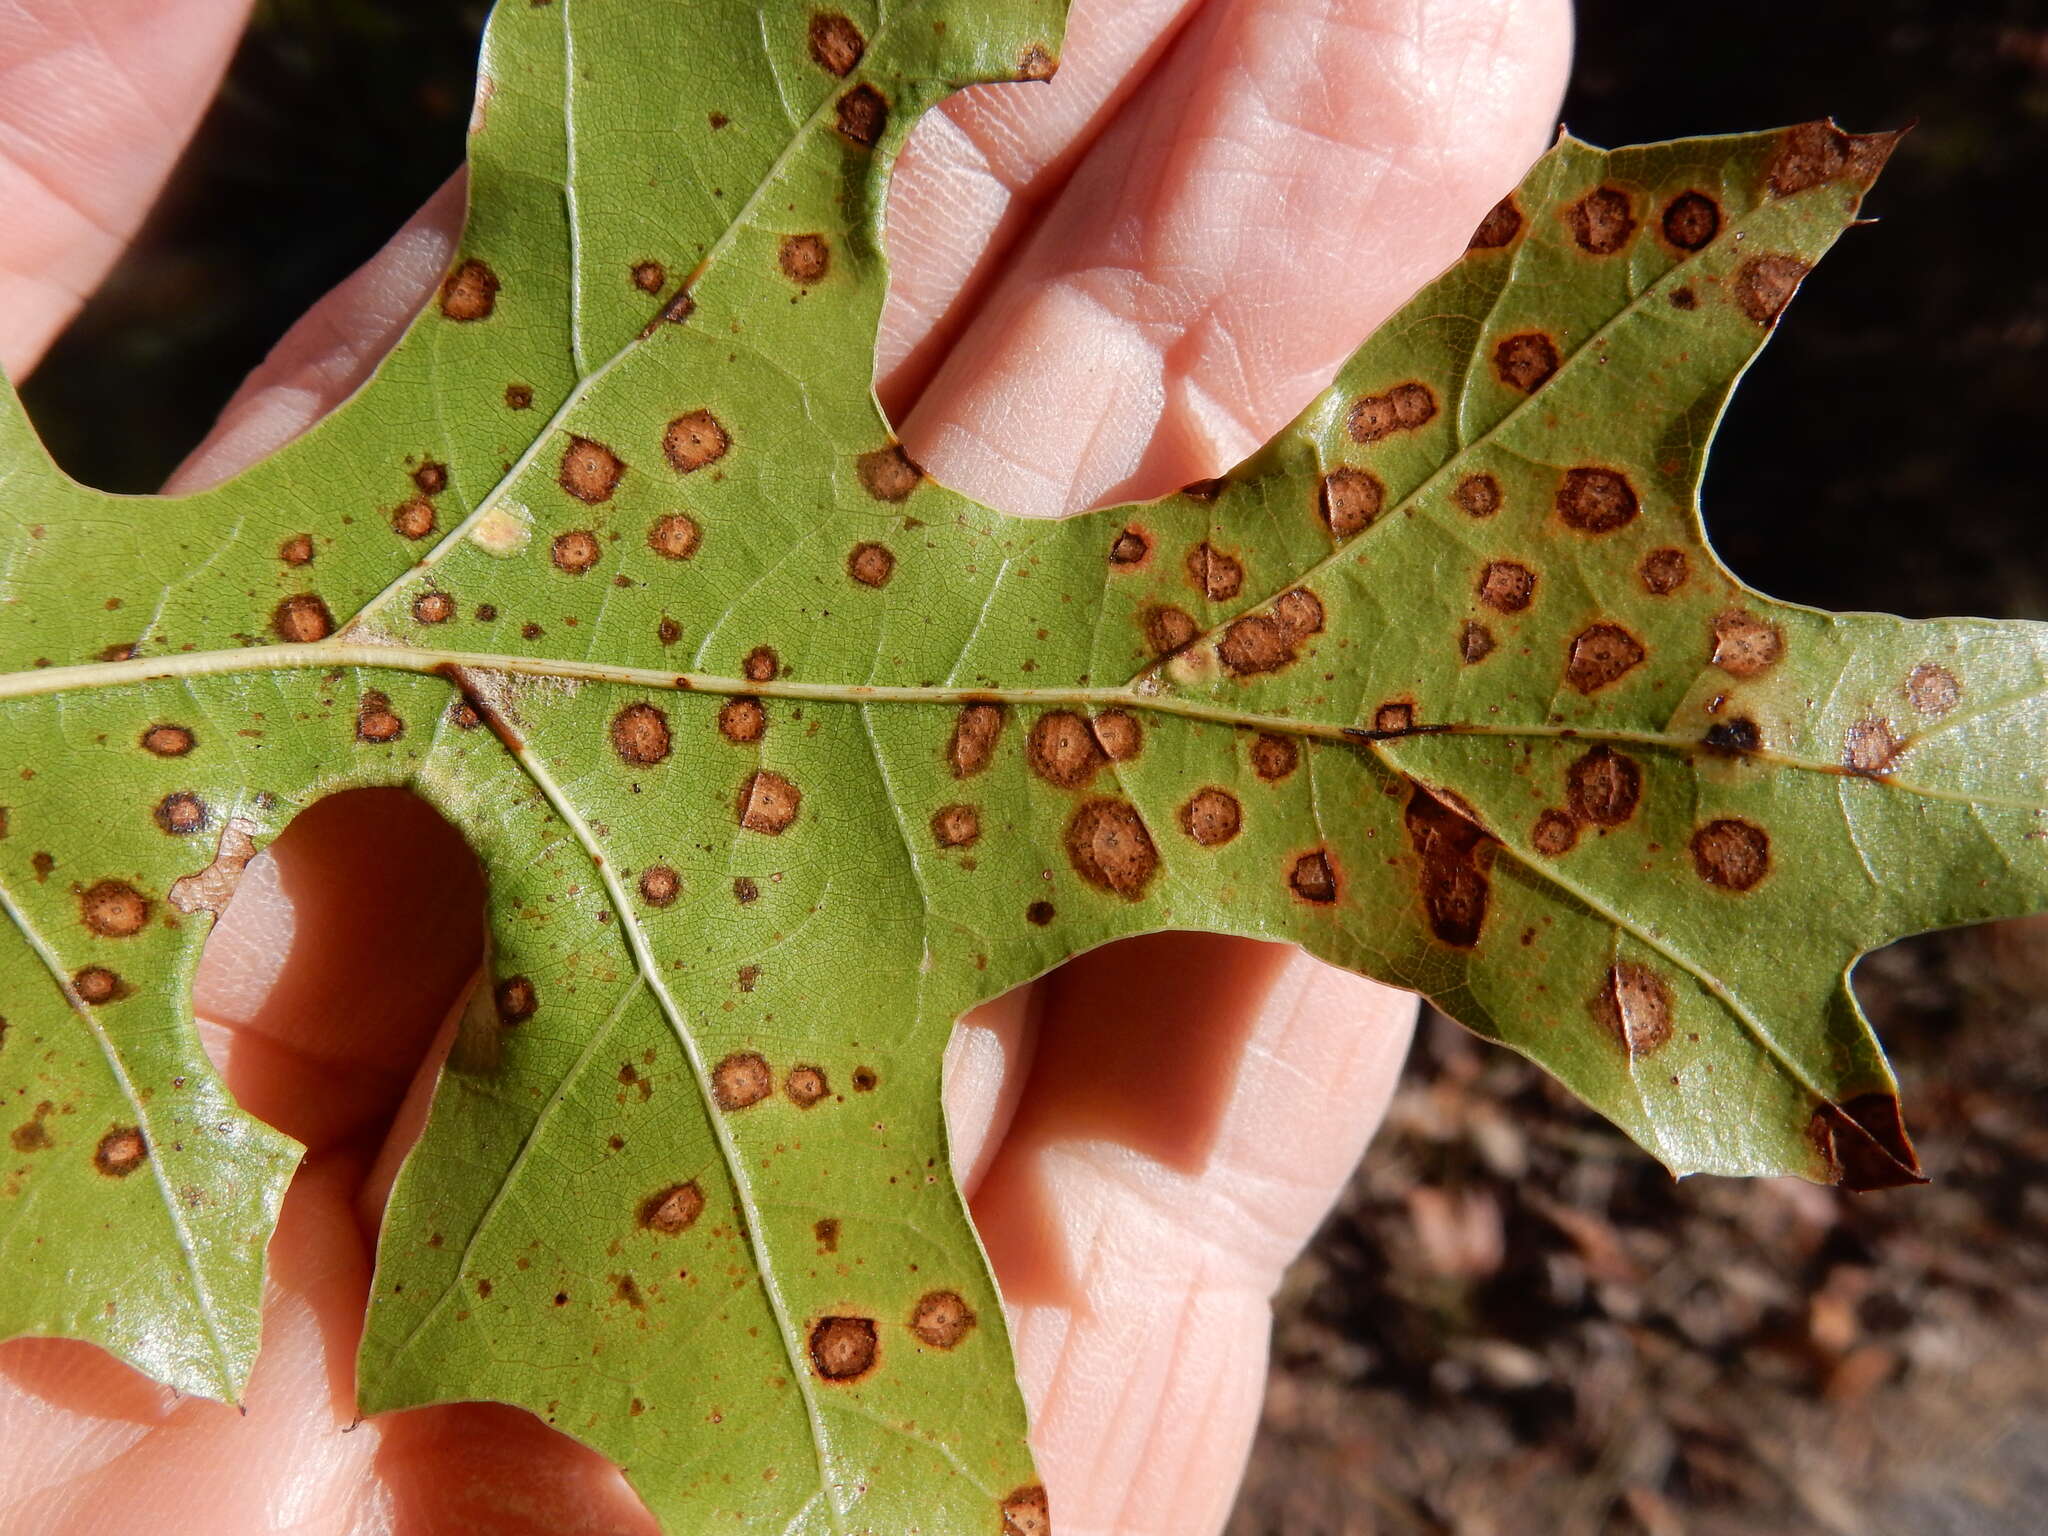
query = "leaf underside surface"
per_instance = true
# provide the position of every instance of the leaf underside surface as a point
(779, 755)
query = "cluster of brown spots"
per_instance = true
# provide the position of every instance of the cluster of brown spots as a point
(590, 471)
(1475, 643)
(1664, 571)
(836, 43)
(301, 619)
(1744, 645)
(768, 803)
(1554, 834)
(1635, 1006)
(1525, 361)
(1733, 738)
(1401, 409)
(843, 1348)
(96, 984)
(114, 909)
(1313, 878)
(1211, 817)
(1109, 848)
(1394, 718)
(761, 665)
(517, 1000)
(649, 276)
(1731, 853)
(660, 885)
(973, 743)
(1602, 221)
(470, 292)
(1691, 220)
(413, 519)
(377, 723)
(1351, 499)
(1933, 690)
(1603, 787)
(675, 536)
(889, 474)
(941, 1319)
(1273, 757)
(640, 735)
(1039, 913)
(1131, 548)
(181, 814)
(169, 740)
(1601, 654)
(1863, 1141)
(1595, 500)
(433, 608)
(742, 721)
(871, 565)
(1506, 586)
(1119, 735)
(805, 1086)
(672, 1210)
(1212, 573)
(120, 1152)
(1502, 223)
(296, 550)
(956, 826)
(1870, 748)
(863, 115)
(742, 1080)
(694, 439)
(804, 259)
(1453, 879)
(1764, 285)
(519, 397)
(1478, 495)
(1062, 750)
(576, 551)
(1808, 154)
(1168, 629)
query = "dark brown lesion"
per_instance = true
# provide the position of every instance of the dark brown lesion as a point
(1453, 851)
(1863, 1143)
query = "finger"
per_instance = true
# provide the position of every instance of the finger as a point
(1194, 1106)
(97, 98)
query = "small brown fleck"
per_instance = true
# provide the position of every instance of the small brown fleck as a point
(742, 1080)
(1062, 750)
(96, 984)
(1109, 848)
(1401, 409)
(376, 722)
(762, 665)
(1212, 573)
(1478, 495)
(1808, 154)
(519, 397)
(576, 551)
(1273, 757)
(1731, 853)
(1119, 735)
(768, 803)
(1299, 612)
(590, 471)
(1601, 654)
(1744, 644)
(1313, 878)
(1506, 586)
(973, 743)
(836, 43)
(1602, 221)
(114, 909)
(170, 740)
(1039, 913)
(956, 826)
(1502, 223)
(517, 1000)
(1131, 548)
(941, 1319)
(660, 885)
(1211, 817)
(1664, 571)
(1933, 690)
(804, 259)
(1167, 629)
(843, 1348)
(301, 620)
(1525, 361)
(888, 474)
(1764, 285)
(649, 276)
(1635, 1007)
(1475, 643)
(1870, 748)
(805, 1086)
(871, 565)
(863, 115)
(640, 735)
(470, 292)
(1453, 882)
(413, 519)
(181, 814)
(1595, 500)
(1555, 834)
(672, 1210)
(675, 536)
(1351, 500)
(120, 1152)
(742, 721)
(296, 550)
(1256, 643)
(433, 608)
(693, 440)
(1691, 220)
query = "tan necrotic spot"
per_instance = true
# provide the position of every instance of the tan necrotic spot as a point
(1167, 629)
(1478, 495)
(1808, 154)
(973, 743)
(742, 1080)
(1313, 878)
(1691, 220)
(1602, 221)
(843, 1348)
(1764, 285)
(1600, 655)
(1596, 500)
(1506, 586)
(956, 826)
(301, 619)
(941, 1319)
(870, 565)
(1299, 612)
(649, 276)
(576, 551)
(804, 259)
(1273, 757)
(768, 803)
(806, 1086)
(95, 984)
(1554, 834)
(1131, 548)
(1036, 63)
(888, 474)
(1635, 1007)
(1119, 735)
(1604, 787)
(181, 814)
(640, 735)
(863, 115)
(693, 440)
(168, 740)
(517, 1000)
(1062, 750)
(120, 1152)
(413, 519)
(1475, 643)
(1525, 361)
(470, 292)
(1869, 748)
(1453, 882)
(1745, 645)
(762, 665)
(1212, 573)
(1731, 853)
(1933, 690)
(377, 723)
(433, 608)
(836, 43)
(1395, 718)
(673, 1210)
(659, 885)
(1502, 223)
(742, 721)
(1256, 643)
(1401, 409)
(1027, 1513)
(1664, 571)
(675, 537)
(1109, 848)
(1211, 817)
(590, 471)
(114, 909)
(1351, 500)
(431, 477)
(296, 550)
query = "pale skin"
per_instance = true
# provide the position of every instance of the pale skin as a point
(1158, 258)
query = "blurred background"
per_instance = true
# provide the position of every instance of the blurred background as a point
(1514, 1322)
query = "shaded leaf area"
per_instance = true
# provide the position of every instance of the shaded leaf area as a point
(778, 755)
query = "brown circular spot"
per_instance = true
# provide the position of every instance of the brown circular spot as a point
(1601, 654)
(1808, 154)
(1555, 833)
(519, 397)
(836, 43)
(1869, 748)
(181, 814)
(590, 471)
(675, 537)
(1167, 629)
(1744, 644)
(1299, 612)
(668, 631)
(1603, 787)
(1478, 495)
(1933, 690)
(376, 722)
(517, 1000)
(1313, 878)
(803, 258)
(470, 292)
(1401, 409)
(762, 664)
(694, 439)
(864, 1080)
(871, 565)
(1026, 1513)
(114, 909)
(1502, 223)
(1214, 574)
(742, 720)
(863, 115)
(120, 1152)
(1273, 757)
(843, 1348)
(1691, 220)
(1595, 500)
(1256, 643)
(1351, 500)
(805, 1086)
(1731, 853)
(742, 1080)
(649, 276)
(888, 474)
(1634, 1006)
(768, 803)
(576, 551)
(301, 619)
(296, 550)
(96, 984)
(1475, 643)
(433, 608)
(1131, 548)
(1211, 817)
(1764, 285)
(1062, 750)
(413, 519)
(1525, 361)
(1602, 221)
(431, 477)
(1119, 735)
(956, 826)
(973, 743)
(660, 885)
(672, 1210)
(1039, 913)
(1664, 571)
(1109, 848)
(1506, 586)
(168, 740)
(640, 735)
(941, 1319)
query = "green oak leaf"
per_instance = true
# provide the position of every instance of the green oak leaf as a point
(779, 756)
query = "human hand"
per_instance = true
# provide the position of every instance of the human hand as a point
(1156, 259)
